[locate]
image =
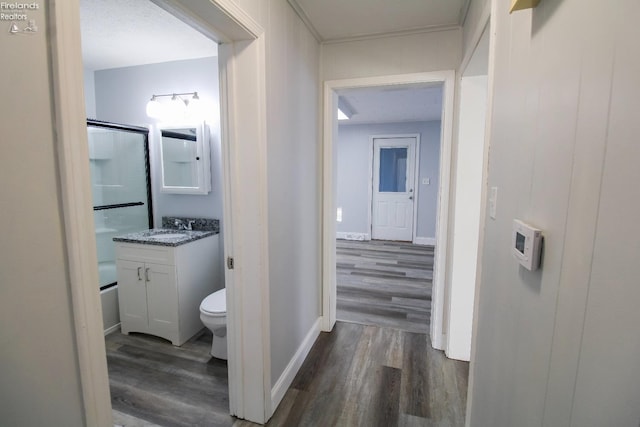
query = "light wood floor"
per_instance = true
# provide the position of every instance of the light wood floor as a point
(384, 283)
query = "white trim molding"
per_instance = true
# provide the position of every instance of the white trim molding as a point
(75, 178)
(111, 329)
(223, 21)
(282, 385)
(425, 241)
(399, 33)
(442, 218)
(491, 10)
(244, 118)
(353, 236)
(302, 14)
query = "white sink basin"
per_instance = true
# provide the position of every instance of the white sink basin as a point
(166, 236)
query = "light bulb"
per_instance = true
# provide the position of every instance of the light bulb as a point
(155, 109)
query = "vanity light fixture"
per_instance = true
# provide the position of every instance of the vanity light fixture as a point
(181, 104)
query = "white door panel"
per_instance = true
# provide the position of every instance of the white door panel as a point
(132, 291)
(393, 193)
(162, 299)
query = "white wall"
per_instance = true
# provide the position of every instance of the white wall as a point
(560, 346)
(293, 162)
(354, 173)
(431, 51)
(89, 93)
(121, 96)
(466, 222)
(40, 375)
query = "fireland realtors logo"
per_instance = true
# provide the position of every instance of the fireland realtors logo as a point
(17, 14)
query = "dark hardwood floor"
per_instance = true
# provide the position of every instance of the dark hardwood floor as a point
(368, 376)
(384, 283)
(377, 369)
(154, 383)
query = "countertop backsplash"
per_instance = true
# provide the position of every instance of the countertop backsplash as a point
(198, 224)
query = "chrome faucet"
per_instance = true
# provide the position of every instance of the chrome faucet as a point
(180, 225)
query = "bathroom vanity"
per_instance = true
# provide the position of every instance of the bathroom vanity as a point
(163, 276)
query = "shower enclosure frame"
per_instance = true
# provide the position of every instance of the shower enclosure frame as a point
(147, 164)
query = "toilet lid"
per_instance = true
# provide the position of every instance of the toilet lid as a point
(215, 303)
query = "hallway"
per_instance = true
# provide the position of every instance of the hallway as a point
(377, 367)
(370, 376)
(384, 283)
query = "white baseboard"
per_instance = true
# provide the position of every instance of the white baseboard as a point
(427, 241)
(353, 236)
(282, 385)
(111, 329)
(437, 340)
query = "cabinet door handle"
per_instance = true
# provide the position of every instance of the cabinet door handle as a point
(146, 274)
(139, 273)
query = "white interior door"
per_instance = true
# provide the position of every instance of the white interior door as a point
(133, 296)
(393, 195)
(162, 300)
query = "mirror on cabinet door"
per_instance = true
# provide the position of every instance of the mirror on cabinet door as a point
(184, 151)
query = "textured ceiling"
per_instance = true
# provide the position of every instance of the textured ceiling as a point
(122, 33)
(390, 104)
(339, 19)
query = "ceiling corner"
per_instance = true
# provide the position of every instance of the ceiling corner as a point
(464, 10)
(305, 18)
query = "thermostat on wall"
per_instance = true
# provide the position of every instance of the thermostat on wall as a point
(526, 244)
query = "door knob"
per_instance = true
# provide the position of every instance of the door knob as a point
(410, 197)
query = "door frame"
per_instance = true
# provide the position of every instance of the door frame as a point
(416, 172)
(330, 126)
(243, 122)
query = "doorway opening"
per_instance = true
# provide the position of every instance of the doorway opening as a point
(386, 149)
(150, 379)
(248, 345)
(334, 90)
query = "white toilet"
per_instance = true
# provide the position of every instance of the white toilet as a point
(213, 313)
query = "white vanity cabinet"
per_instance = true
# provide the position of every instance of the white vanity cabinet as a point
(160, 288)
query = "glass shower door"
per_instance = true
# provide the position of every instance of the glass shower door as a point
(119, 163)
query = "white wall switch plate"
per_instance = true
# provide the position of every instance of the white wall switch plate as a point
(425, 181)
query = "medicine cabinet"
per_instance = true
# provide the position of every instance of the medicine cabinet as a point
(185, 158)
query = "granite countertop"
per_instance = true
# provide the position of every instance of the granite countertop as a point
(163, 236)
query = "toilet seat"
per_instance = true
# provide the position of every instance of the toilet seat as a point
(215, 304)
